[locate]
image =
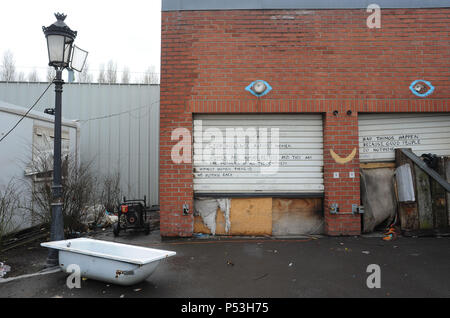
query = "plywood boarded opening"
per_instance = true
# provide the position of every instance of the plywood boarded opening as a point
(269, 216)
(297, 216)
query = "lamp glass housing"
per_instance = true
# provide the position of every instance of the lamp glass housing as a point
(60, 40)
(59, 50)
(79, 57)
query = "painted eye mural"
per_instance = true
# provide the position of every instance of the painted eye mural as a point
(259, 88)
(421, 88)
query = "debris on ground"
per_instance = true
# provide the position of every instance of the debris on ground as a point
(261, 277)
(230, 263)
(391, 234)
(345, 249)
(366, 252)
(4, 269)
(73, 235)
(200, 235)
(23, 237)
(98, 216)
(137, 289)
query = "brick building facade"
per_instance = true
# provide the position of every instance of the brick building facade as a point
(321, 61)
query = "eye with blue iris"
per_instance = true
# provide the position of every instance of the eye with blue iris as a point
(259, 88)
(421, 88)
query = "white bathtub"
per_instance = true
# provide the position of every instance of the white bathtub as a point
(111, 262)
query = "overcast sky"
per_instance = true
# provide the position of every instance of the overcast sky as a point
(125, 31)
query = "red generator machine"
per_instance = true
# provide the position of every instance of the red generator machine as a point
(132, 215)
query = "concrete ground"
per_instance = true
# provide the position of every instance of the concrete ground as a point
(259, 267)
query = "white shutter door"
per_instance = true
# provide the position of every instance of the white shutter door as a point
(298, 168)
(381, 134)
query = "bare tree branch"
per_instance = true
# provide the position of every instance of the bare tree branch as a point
(9, 204)
(111, 72)
(150, 76)
(21, 77)
(8, 69)
(126, 76)
(51, 74)
(86, 195)
(33, 76)
(101, 74)
(85, 75)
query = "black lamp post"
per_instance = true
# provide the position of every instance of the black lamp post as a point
(62, 54)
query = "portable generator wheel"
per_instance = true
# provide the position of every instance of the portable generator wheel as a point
(116, 229)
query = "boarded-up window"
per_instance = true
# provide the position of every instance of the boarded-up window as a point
(42, 152)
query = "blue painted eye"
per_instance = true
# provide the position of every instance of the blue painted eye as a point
(259, 88)
(419, 88)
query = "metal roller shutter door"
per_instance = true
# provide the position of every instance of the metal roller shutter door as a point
(300, 155)
(381, 134)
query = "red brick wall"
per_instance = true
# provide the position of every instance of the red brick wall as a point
(316, 61)
(341, 136)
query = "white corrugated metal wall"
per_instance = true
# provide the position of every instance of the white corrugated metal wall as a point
(119, 128)
(381, 134)
(298, 166)
(19, 147)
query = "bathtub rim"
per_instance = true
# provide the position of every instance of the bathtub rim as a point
(57, 245)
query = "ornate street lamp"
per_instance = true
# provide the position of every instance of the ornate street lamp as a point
(62, 54)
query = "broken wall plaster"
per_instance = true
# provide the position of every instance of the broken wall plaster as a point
(207, 209)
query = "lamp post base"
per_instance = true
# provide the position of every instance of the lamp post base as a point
(52, 259)
(56, 231)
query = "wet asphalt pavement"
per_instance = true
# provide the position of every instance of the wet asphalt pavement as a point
(243, 267)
